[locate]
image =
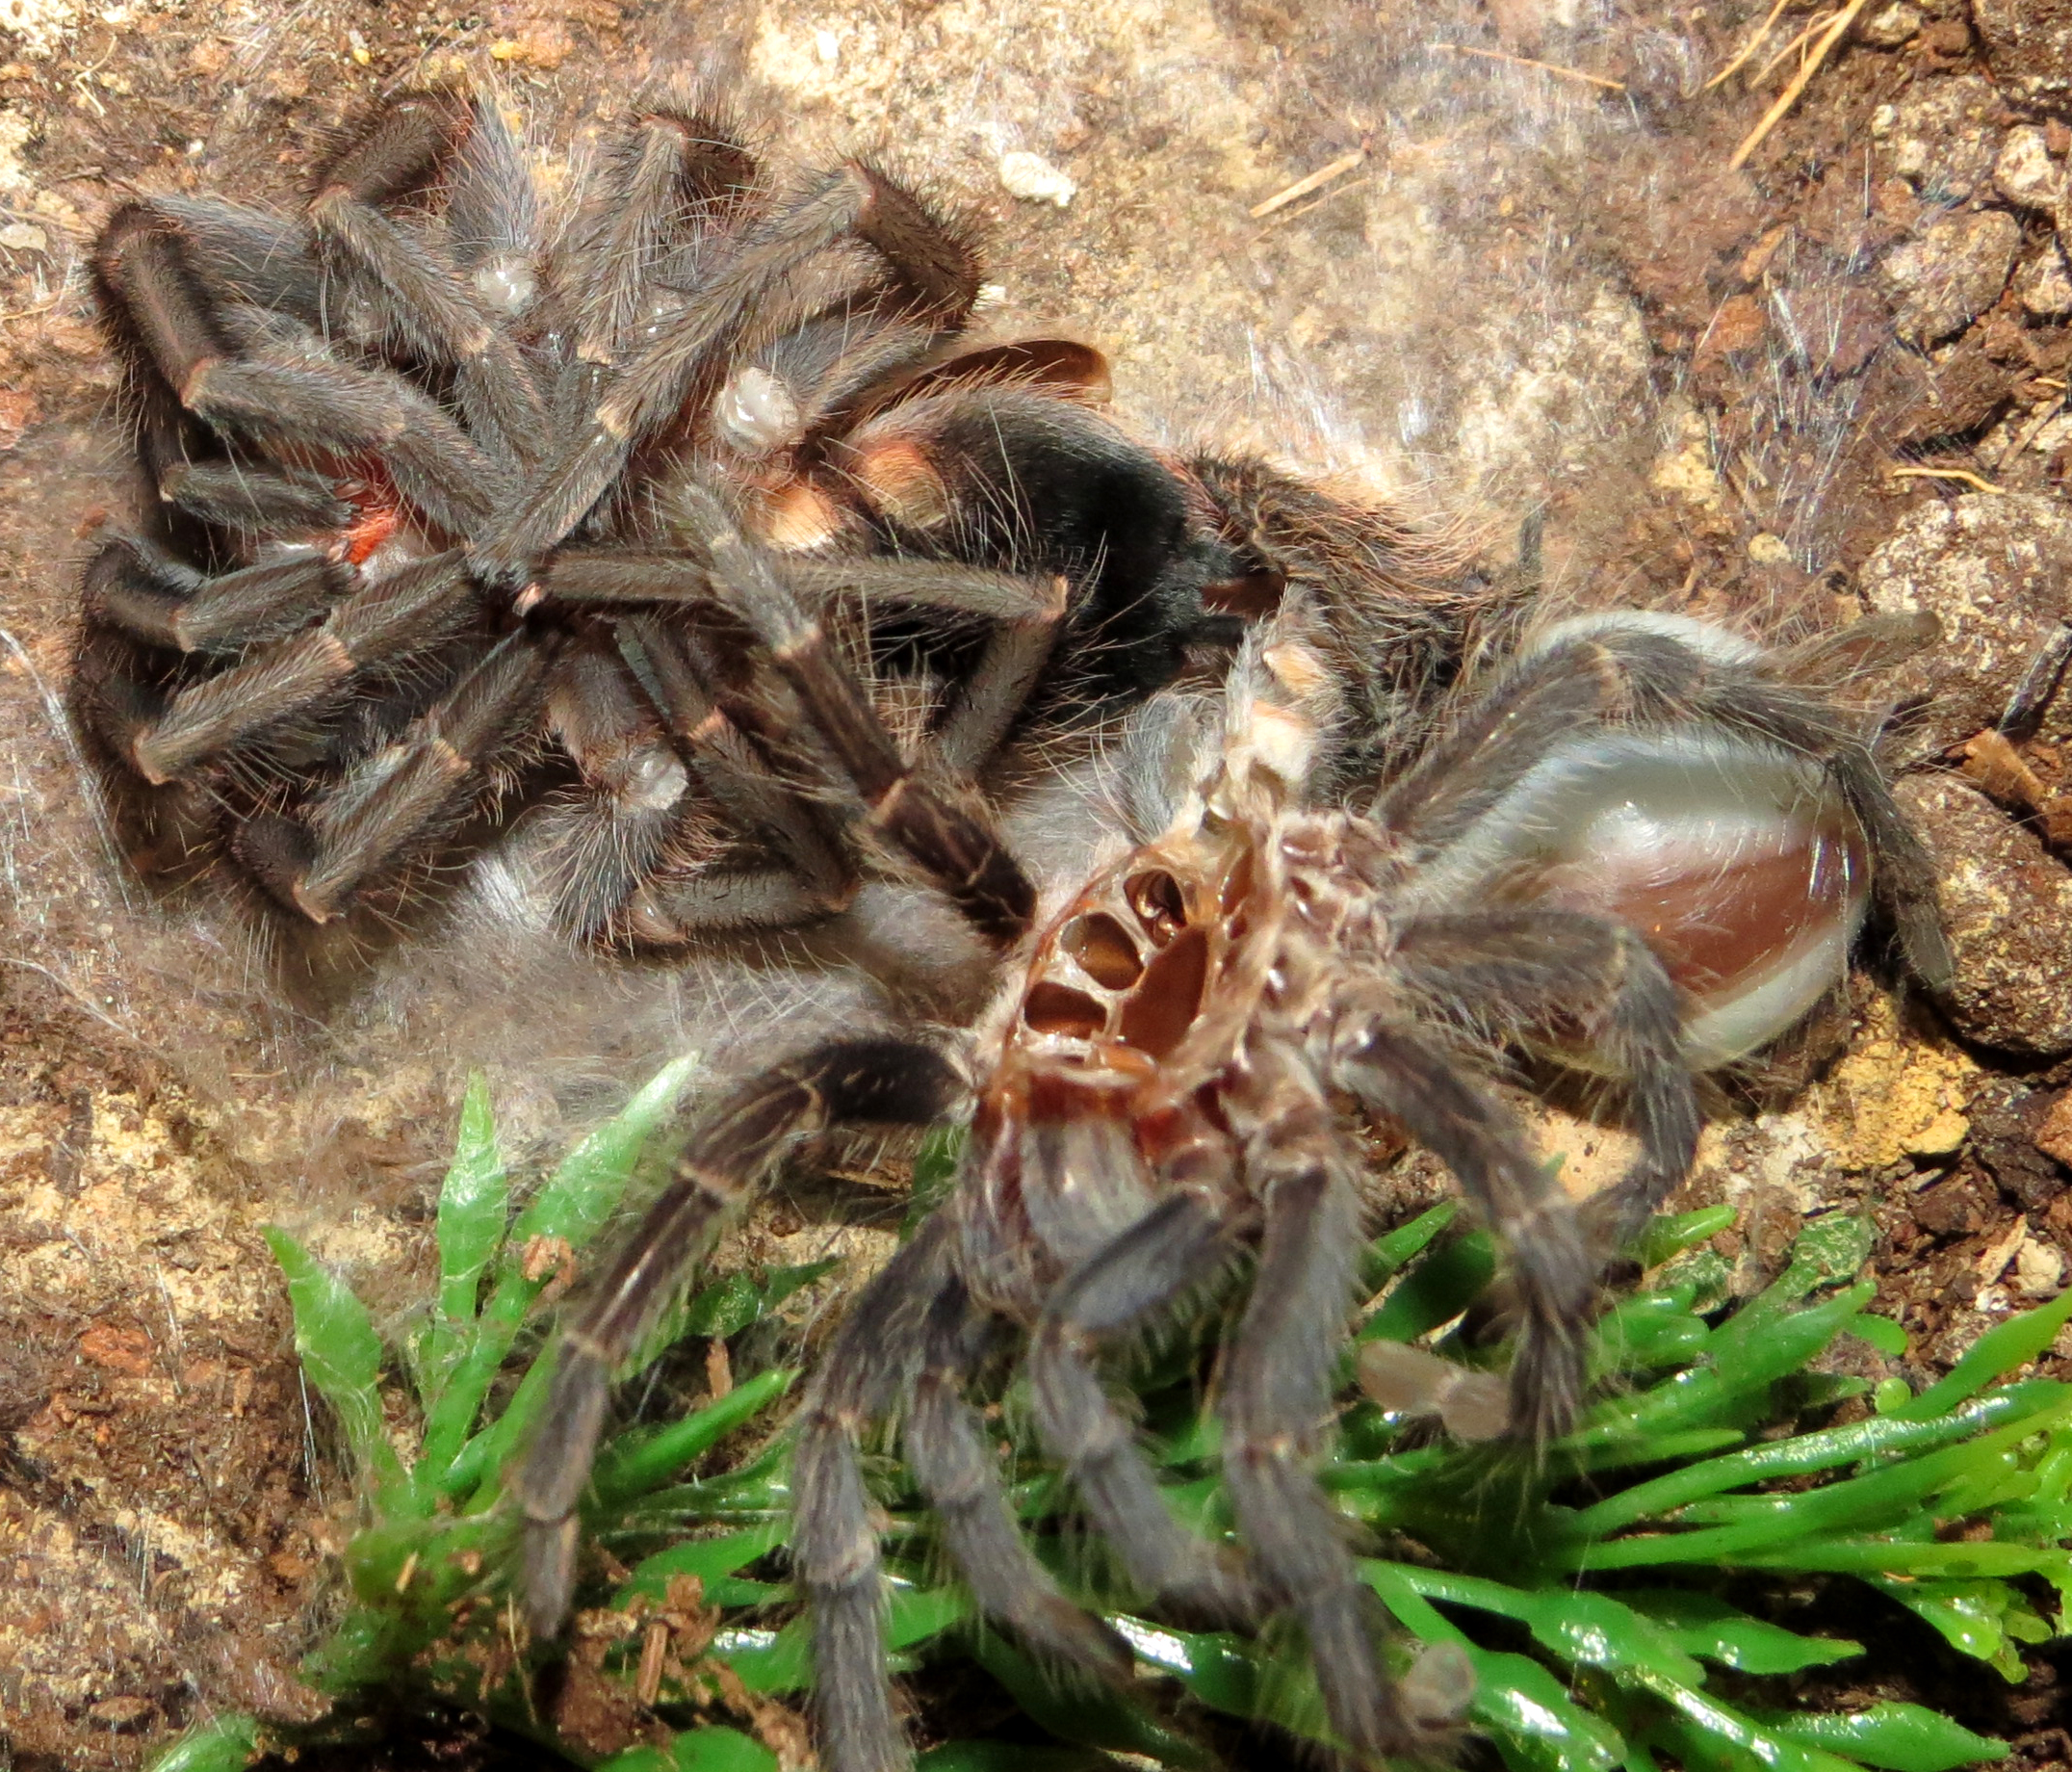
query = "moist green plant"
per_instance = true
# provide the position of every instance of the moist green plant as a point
(1587, 1590)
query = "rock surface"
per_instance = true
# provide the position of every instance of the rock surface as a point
(1995, 570)
(2007, 906)
(2029, 44)
(1951, 272)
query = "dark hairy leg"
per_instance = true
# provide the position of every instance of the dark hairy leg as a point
(835, 1546)
(1275, 1406)
(1551, 972)
(958, 851)
(1181, 1244)
(840, 1082)
(953, 1461)
(1393, 1071)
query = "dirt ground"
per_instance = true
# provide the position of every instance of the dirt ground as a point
(1826, 381)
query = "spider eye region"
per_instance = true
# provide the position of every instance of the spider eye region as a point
(1740, 867)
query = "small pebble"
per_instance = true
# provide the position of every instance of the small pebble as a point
(23, 237)
(2044, 288)
(1035, 180)
(1891, 26)
(2025, 175)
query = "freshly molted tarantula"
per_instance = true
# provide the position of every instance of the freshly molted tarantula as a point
(1644, 846)
(438, 482)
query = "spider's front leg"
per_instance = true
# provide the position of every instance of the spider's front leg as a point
(932, 271)
(1276, 1409)
(275, 382)
(843, 1082)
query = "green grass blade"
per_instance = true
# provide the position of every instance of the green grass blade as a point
(341, 1355)
(474, 1210)
(1996, 1353)
(228, 1744)
(1797, 1456)
(1670, 1235)
(1893, 1736)
(1705, 1626)
(1438, 1289)
(572, 1205)
(1536, 1724)
(628, 1471)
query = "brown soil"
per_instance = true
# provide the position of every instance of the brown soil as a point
(1534, 292)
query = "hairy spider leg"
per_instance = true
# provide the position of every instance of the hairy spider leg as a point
(1026, 614)
(647, 395)
(958, 853)
(834, 1537)
(282, 393)
(851, 1082)
(1181, 1244)
(667, 170)
(1549, 971)
(953, 1461)
(424, 303)
(408, 613)
(1276, 1407)
(149, 594)
(409, 792)
(730, 739)
(637, 809)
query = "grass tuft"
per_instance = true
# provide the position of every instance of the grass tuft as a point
(1607, 1596)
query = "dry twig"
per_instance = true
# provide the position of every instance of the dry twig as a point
(1545, 68)
(1789, 97)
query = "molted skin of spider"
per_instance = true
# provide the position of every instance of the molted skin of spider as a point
(440, 479)
(1158, 1110)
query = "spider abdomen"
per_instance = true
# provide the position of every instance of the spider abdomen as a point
(1740, 866)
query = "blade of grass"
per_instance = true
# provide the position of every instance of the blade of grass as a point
(1797, 1456)
(629, 1470)
(342, 1356)
(1997, 1352)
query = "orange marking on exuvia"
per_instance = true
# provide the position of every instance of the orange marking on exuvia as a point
(373, 496)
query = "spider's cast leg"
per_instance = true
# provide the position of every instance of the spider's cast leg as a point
(841, 1083)
(723, 733)
(286, 391)
(254, 502)
(953, 1460)
(406, 796)
(939, 277)
(291, 681)
(1177, 1246)
(958, 851)
(151, 595)
(636, 806)
(1275, 1406)
(422, 304)
(1395, 1072)
(993, 693)
(666, 170)
(1028, 611)
(1551, 973)
(868, 1370)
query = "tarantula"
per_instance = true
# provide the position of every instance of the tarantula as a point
(1644, 846)
(436, 482)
